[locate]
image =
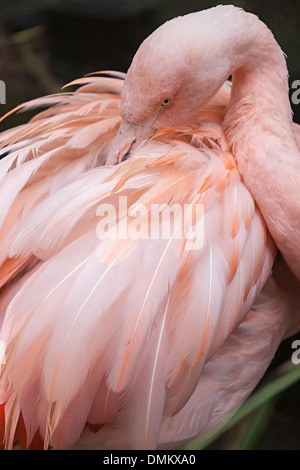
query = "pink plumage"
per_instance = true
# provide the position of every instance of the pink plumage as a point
(144, 341)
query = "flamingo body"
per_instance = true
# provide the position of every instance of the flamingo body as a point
(128, 341)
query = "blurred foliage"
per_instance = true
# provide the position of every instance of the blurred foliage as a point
(46, 43)
(245, 426)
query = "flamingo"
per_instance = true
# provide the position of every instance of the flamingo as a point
(138, 341)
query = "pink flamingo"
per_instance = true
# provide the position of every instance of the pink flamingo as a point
(133, 341)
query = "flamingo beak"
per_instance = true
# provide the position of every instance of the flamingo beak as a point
(129, 137)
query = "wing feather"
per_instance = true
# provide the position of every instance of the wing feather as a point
(120, 332)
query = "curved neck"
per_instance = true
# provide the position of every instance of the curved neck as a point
(260, 103)
(258, 124)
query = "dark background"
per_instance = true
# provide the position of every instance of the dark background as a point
(64, 39)
(44, 44)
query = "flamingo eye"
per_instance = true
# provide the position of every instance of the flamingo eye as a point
(166, 102)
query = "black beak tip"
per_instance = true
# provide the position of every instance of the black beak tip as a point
(127, 155)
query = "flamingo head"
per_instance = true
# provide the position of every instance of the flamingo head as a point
(175, 71)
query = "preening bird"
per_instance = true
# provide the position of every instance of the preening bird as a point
(114, 333)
